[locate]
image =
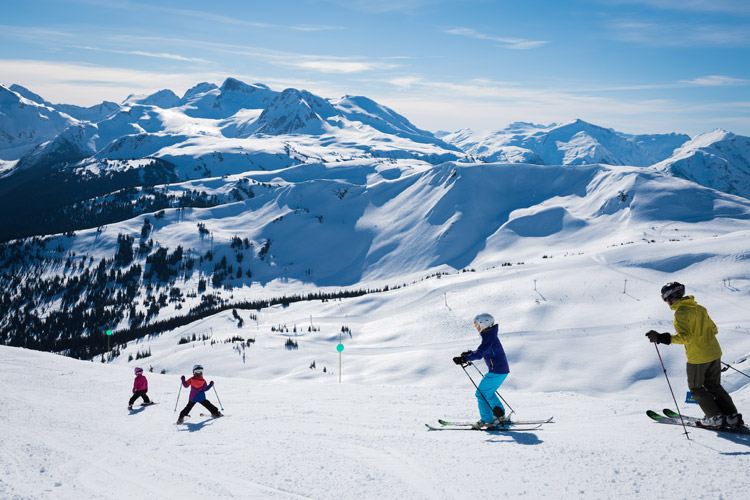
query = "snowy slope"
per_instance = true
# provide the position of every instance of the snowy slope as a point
(576, 349)
(718, 159)
(380, 220)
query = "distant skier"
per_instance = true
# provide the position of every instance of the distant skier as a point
(491, 409)
(140, 388)
(198, 388)
(697, 332)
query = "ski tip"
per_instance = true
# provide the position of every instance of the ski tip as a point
(654, 415)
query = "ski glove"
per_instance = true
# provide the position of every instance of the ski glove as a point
(459, 360)
(210, 384)
(183, 378)
(659, 338)
(466, 353)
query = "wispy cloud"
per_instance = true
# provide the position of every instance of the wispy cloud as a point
(336, 66)
(490, 105)
(504, 42)
(717, 81)
(205, 15)
(160, 55)
(681, 34)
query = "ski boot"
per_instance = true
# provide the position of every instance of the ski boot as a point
(735, 420)
(715, 422)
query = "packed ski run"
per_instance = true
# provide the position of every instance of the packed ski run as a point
(576, 349)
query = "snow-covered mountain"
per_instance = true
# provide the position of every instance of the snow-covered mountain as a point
(324, 193)
(252, 231)
(573, 143)
(230, 129)
(718, 159)
(25, 124)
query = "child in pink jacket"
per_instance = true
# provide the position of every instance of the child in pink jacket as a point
(140, 388)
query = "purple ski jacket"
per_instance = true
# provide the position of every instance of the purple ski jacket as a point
(492, 351)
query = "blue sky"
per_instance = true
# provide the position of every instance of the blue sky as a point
(639, 66)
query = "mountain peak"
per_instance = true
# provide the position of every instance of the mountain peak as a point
(201, 88)
(234, 85)
(163, 99)
(26, 93)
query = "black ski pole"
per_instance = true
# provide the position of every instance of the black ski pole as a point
(218, 398)
(178, 398)
(670, 390)
(496, 392)
(735, 369)
(475, 385)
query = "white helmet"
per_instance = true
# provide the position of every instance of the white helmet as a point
(197, 369)
(483, 321)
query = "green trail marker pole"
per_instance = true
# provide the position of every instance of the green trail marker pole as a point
(340, 349)
(109, 354)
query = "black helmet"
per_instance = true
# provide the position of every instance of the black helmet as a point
(672, 291)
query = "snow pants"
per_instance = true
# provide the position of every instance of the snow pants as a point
(486, 394)
(139, 394)
(185, 411)
(704, 382)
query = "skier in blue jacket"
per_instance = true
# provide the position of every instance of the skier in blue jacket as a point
(491, 409)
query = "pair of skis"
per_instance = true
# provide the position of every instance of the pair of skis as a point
(674, 418)
(511, 426)
(132, 409)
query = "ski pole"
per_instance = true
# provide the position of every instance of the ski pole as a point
(735, 369)
(496, 392)
(670, 390)
(178, 399)
(218, 398)
(475, 385)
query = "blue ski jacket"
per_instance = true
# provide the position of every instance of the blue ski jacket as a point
(492, 351)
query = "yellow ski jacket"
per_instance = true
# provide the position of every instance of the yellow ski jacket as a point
(696, 331)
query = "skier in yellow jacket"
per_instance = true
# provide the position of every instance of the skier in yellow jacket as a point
(697, 332)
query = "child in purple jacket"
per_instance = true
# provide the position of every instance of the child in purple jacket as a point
(140, 388)
(491, 410)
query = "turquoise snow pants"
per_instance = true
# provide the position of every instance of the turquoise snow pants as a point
(487, 387)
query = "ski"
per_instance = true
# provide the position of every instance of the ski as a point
(208, 415)
(674, 419)
(134, 409)
(485, 429)
(449, 423)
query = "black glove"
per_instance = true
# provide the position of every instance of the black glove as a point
(466, 353)
(659, 338)
(459, 360)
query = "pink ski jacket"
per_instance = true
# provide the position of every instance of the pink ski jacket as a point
(140, 383)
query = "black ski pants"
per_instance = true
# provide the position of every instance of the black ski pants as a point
(185, 411)
(704, 382)
(139, 394)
